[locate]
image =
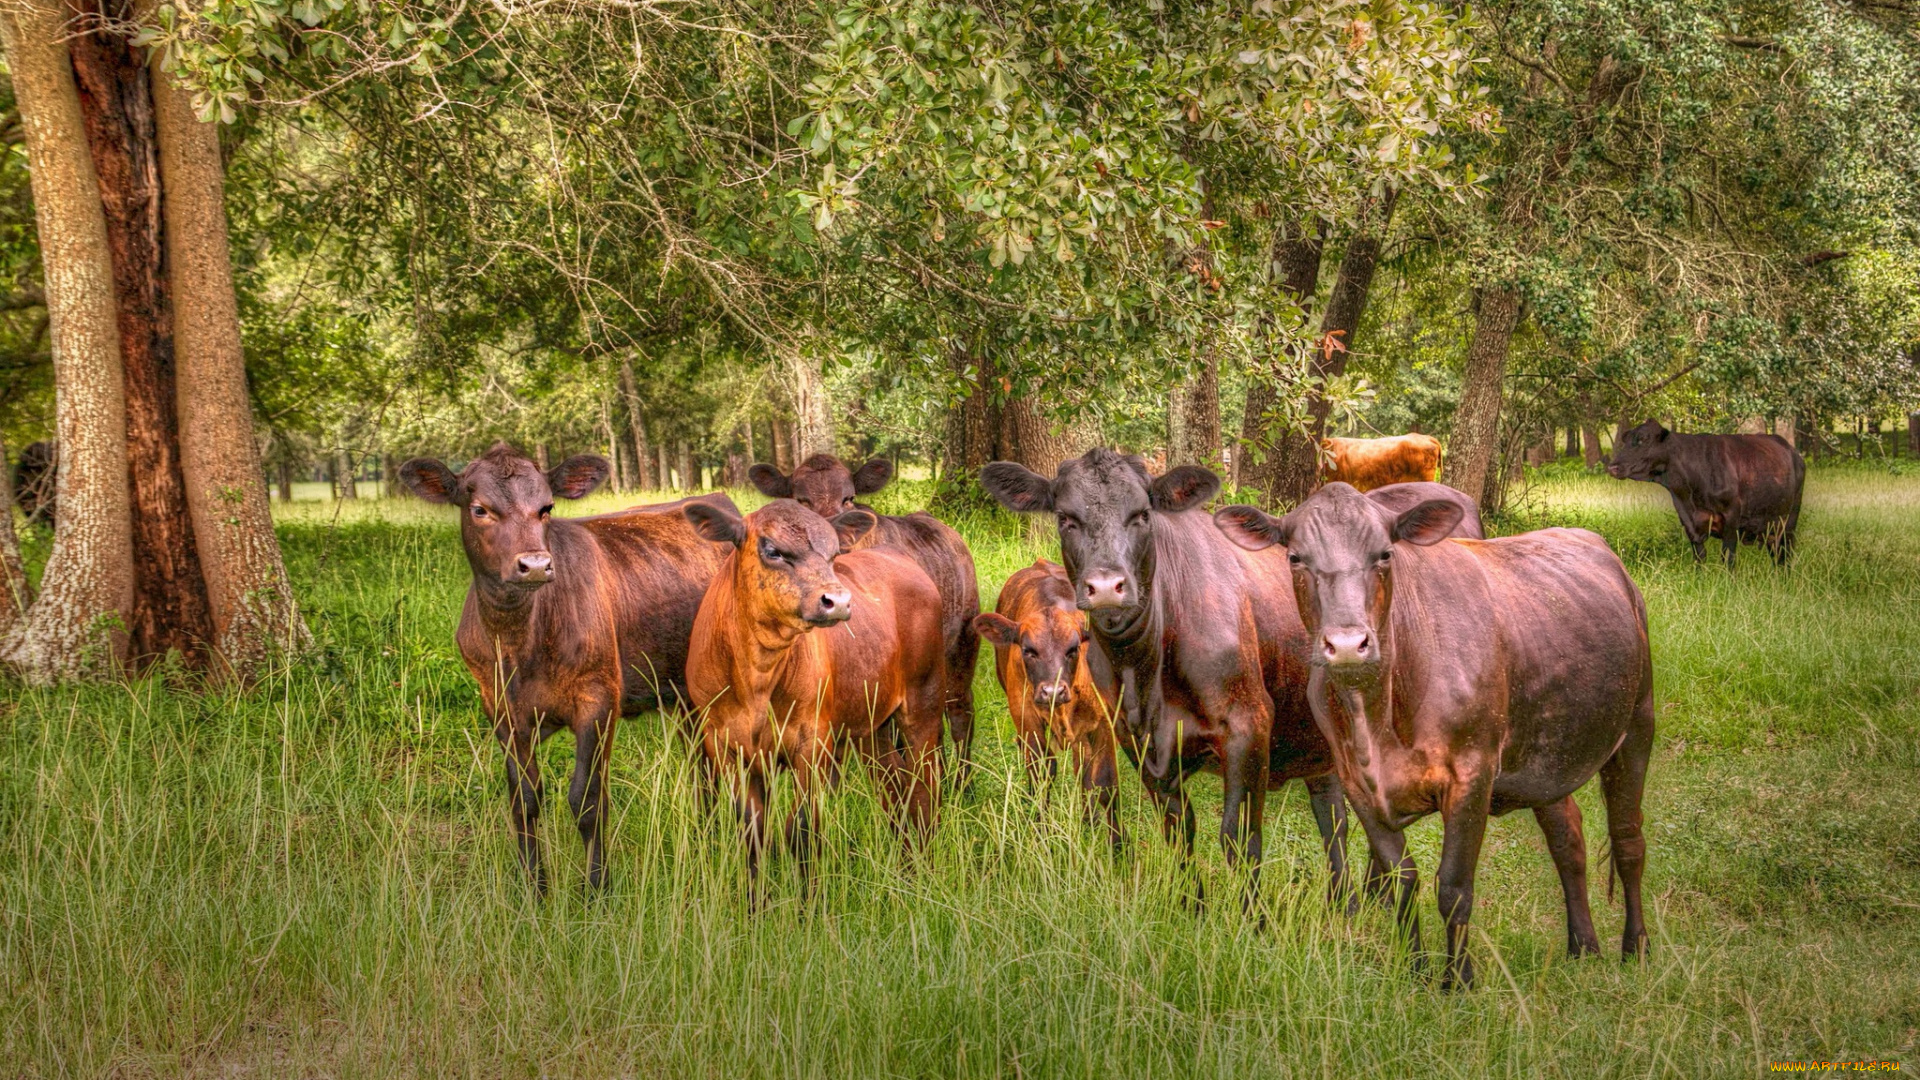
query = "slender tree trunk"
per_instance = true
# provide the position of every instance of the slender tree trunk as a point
(1193, 418)
(1913, 434)
(739, 458)
(283, 473)
(540, 456)
(689, 469)
(782, 436)
(1475, 445)
(813, 427)
(1295, 264)
(663, 466)
(1589, 444)
(16, 592)
(87, 587)
(170, 609)
(630, 390)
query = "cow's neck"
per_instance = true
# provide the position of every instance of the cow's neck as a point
(506, 612)
(759, 647)
(1372, 742)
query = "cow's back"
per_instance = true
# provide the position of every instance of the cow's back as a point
(1372, 463)
(944, 556)
(1749, 479)
(656, 570)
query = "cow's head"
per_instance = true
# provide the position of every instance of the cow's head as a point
(1640, 453)
(505, 501)
(1103, 504)
(1049, 637)
(1340, 546)
(783, 569)
(823, 483)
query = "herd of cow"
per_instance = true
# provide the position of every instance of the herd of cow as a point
(1370, 643)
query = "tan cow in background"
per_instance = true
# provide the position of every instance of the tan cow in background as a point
(1373, 463)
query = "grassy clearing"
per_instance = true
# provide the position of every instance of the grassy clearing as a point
(315, 879)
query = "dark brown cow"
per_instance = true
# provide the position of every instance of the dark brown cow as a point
(1470, 678)
(825, 485)
(1395, 498)
(1370, 463)
(803, 644)
(1197, 640)
(1038, 638)
(569, 623)
(1736, 487)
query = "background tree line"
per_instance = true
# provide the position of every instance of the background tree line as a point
(252, 240)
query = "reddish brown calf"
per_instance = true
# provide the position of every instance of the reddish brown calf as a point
(1040, 641)
(803, 645)
(568, 624)
(1370, 463)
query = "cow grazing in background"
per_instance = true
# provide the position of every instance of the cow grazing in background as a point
(1197, 641)
(1370, 463)
(569, 623)
(1736, 487)
(1469, 678)
(1039, 639)
(804, 644)
(35, 479)
(824, 484)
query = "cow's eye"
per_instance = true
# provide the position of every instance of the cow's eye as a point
(479, 511)
(1138, 519)
(769, 552)
(1029, 652)
(1068, 524)
(847, 503)
(546, 512)
(1293, 558)
(1384, 557)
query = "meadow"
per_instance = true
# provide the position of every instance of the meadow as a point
(313, 877)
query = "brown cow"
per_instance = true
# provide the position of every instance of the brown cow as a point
(568, 623)
(1469, 678)
(779, 679)
(824, 484)
(1038, 636)
(1370, 463)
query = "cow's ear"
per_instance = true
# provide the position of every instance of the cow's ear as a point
(872, 476)
(430, 479)
(1017, 487)
(576, 477)
(1183, 488)
(997, 628)
(1250, 527)
(772, 483)
(1428, 523)
(851, 526)
(1662, 437)
(716, 523)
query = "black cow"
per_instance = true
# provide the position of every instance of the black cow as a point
(1731, 486)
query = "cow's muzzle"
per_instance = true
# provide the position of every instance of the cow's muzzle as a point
(829, 606)
(531, 569)
(1348, 647)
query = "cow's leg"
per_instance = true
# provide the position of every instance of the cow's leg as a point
(920, 731)
(1243, 808)
(587, 794)
(1567, 842)
(1729, 542)
(1692, 525)
(1330, 814)
(519, 737)
(1389, 863)
(957, 701)
(747, 785)
(812, 771)
(1623, 779)
(1464, 820)
(1033, 754)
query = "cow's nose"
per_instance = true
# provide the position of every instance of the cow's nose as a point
(1347, 646)
(835, 606)
(1050, 695)
(1107, 588)
(533, 567)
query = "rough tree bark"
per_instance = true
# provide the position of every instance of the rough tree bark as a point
(1913, 434)
(782, 436)
(973, 422)
(87, 587)
(630, 390)
(1295, 264)
(170, 610)
(1035, 442)
(1476, 424)
(689, 470)
(813, 427)
(1589, 444)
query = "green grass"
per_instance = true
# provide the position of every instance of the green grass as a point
(314, 878)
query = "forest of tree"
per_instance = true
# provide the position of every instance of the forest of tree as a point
(253, 241)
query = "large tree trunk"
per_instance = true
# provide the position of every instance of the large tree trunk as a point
(782, 436)
(88, 583)
(689, 471)
(1193, 416)
(170, 610)
(1295, 264)
(1589, 444)
(1475, 445)
(1035, 442)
